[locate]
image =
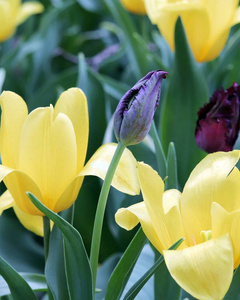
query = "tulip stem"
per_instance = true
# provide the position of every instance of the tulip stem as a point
(46, 237)
(161, 159)
(98, 222)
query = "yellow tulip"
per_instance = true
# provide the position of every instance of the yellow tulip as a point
(13, 13)
(134, 6)
(44, 152)
(206, 214)
(207, 23)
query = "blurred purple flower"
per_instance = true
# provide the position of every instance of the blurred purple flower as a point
(218, 121)
(135, 111)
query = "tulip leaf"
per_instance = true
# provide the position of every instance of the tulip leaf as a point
(186, 93)
(18, 286)
(37, 282)
(54, 269)
(122, 272)
(172, 180)
(136, 55)
(78, 272)
(234, 291)
(135, 289)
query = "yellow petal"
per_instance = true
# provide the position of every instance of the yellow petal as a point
(129, 217)
(7, 21)
(69, 195)
(27, 9)
(205, 270)
(224, 222)
(6, 201)
(202, 188)
(48, 153)
(125, 177)
(172, 218)
(73, 103)
(236, 18)
(18, 184)
(14, 113)
(152, 188)
(30, 222)
(134, 6)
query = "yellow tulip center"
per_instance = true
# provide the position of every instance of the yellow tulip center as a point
(206, 235)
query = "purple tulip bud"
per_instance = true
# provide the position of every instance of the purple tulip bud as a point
(134, 113)
(218, 121)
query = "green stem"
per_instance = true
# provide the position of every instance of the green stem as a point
(46, 237)
(98, 222)
(161, 159)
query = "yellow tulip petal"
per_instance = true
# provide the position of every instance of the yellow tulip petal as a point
(134, 6)
(201, 189)
(125, 177)
(224, 222)
(27, 9)
(173, 219)
(69, 195)
(18, 184)
(6, 201)
(73, 103)
(48, 153)
(129, 217)
(14, 113)
(30, 222)
(152, 188)
(7, 21)
(236, 18)
(205, 270)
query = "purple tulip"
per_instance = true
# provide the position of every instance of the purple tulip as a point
(135, 111)
(218, 121)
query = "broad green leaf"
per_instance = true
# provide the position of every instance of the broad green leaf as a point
(172, 180)
(104, 272)
(123, 270)
(18, 286)
(135, 289)
(37, 283)
(186, 93)
(78, 272)
(234, 290)
(93, 5)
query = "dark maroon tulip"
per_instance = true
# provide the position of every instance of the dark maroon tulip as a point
(218, 121)
(135, 111)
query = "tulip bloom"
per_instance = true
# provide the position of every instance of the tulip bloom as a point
(206, 214)
(219, 121)
(134, 6)
(13, 13)
(206, 29)
(135, 111)
(44, 153)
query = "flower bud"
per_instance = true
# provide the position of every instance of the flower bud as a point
(134, 113)
(218, 121)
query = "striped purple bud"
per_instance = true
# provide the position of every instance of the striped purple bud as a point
(135, 111)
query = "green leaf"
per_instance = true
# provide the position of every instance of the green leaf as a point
(104, 272)
(135, 289)
(54, 269)
(172, 181)
(37, 283)
(186, 93)
(123, 270)
(18, 286)
(93, 5)
(234, 291)
(136, 55)
(79, 276)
